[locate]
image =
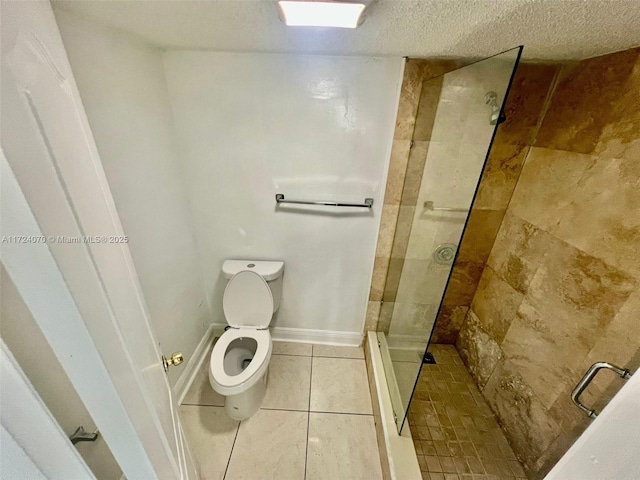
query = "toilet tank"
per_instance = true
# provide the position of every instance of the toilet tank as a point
(271, 271)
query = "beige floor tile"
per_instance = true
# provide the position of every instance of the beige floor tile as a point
(337, 352)
(340, 385)
(342, 447)
(200, 392)
(289, 383)
(210, 433)
(271, 445)
(291, 348)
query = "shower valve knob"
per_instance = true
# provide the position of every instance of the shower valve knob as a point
(174, 360)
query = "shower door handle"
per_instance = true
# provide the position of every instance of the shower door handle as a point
(586, 380)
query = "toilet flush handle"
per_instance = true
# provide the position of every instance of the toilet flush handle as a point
(174, 360)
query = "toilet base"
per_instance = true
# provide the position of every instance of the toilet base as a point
(245, 404)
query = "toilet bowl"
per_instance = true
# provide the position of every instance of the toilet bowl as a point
(240, 358)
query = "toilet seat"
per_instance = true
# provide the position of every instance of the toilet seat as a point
(247, 301)
(233, 384)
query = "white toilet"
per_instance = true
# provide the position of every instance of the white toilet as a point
(240, 357)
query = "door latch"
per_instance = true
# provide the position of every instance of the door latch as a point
(174, 360)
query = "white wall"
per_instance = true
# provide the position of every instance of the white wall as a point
(122, 85)
(30, 348)
(251, 125)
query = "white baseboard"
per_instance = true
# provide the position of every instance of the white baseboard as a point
(193, 364)
(320, 337)
(323, 337)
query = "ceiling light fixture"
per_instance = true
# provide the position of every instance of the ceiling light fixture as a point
(330, 13)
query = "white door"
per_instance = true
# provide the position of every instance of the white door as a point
(609, 449)
(33, 444)
(55, 190)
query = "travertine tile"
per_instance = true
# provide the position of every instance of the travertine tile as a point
(500, 175)
(394, 274)
(620, 345)
(571, 298)
(619, 138)
(271, 444)
(495, 304)
(373, 314)
(409, 99)
(479, 351)
(421, 282)
(352, 455)
(397, 171)
(518, 251)
(386, 315)
(527, 96)
(387, 230)
(413, 319)
(582, 104)
(201, 392)
(379, 278)
(350, 395)
(415, 169)
(547, 184)
(450, 320)
(403, 231)
(288, 383)
(521, 413)
(478, 239)
(603, 218)
(453, 429)
(427, 106)
(211, 434)
(620, 342)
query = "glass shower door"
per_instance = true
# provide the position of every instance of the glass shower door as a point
(457, 117)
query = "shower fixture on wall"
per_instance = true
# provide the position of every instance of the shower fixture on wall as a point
(497, 117)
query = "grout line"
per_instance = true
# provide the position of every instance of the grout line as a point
(283, 409)
(200, 405)
(231, 452)
(342, 413)
(306, 450)
(291, 355)
(333, 356)
(315, 411)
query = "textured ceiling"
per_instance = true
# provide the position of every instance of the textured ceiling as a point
(549, 29)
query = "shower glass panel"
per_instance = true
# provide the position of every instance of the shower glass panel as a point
(457, 116)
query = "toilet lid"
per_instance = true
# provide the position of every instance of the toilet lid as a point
(247, 301)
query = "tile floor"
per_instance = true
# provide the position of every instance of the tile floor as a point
(454, 431)
(316, 421)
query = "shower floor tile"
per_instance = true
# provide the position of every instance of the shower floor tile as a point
(289, 438)
(454, 431)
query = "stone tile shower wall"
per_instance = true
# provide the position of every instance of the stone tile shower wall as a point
(416, 71)
(561, 289)
(513, 139)
(444, 166)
